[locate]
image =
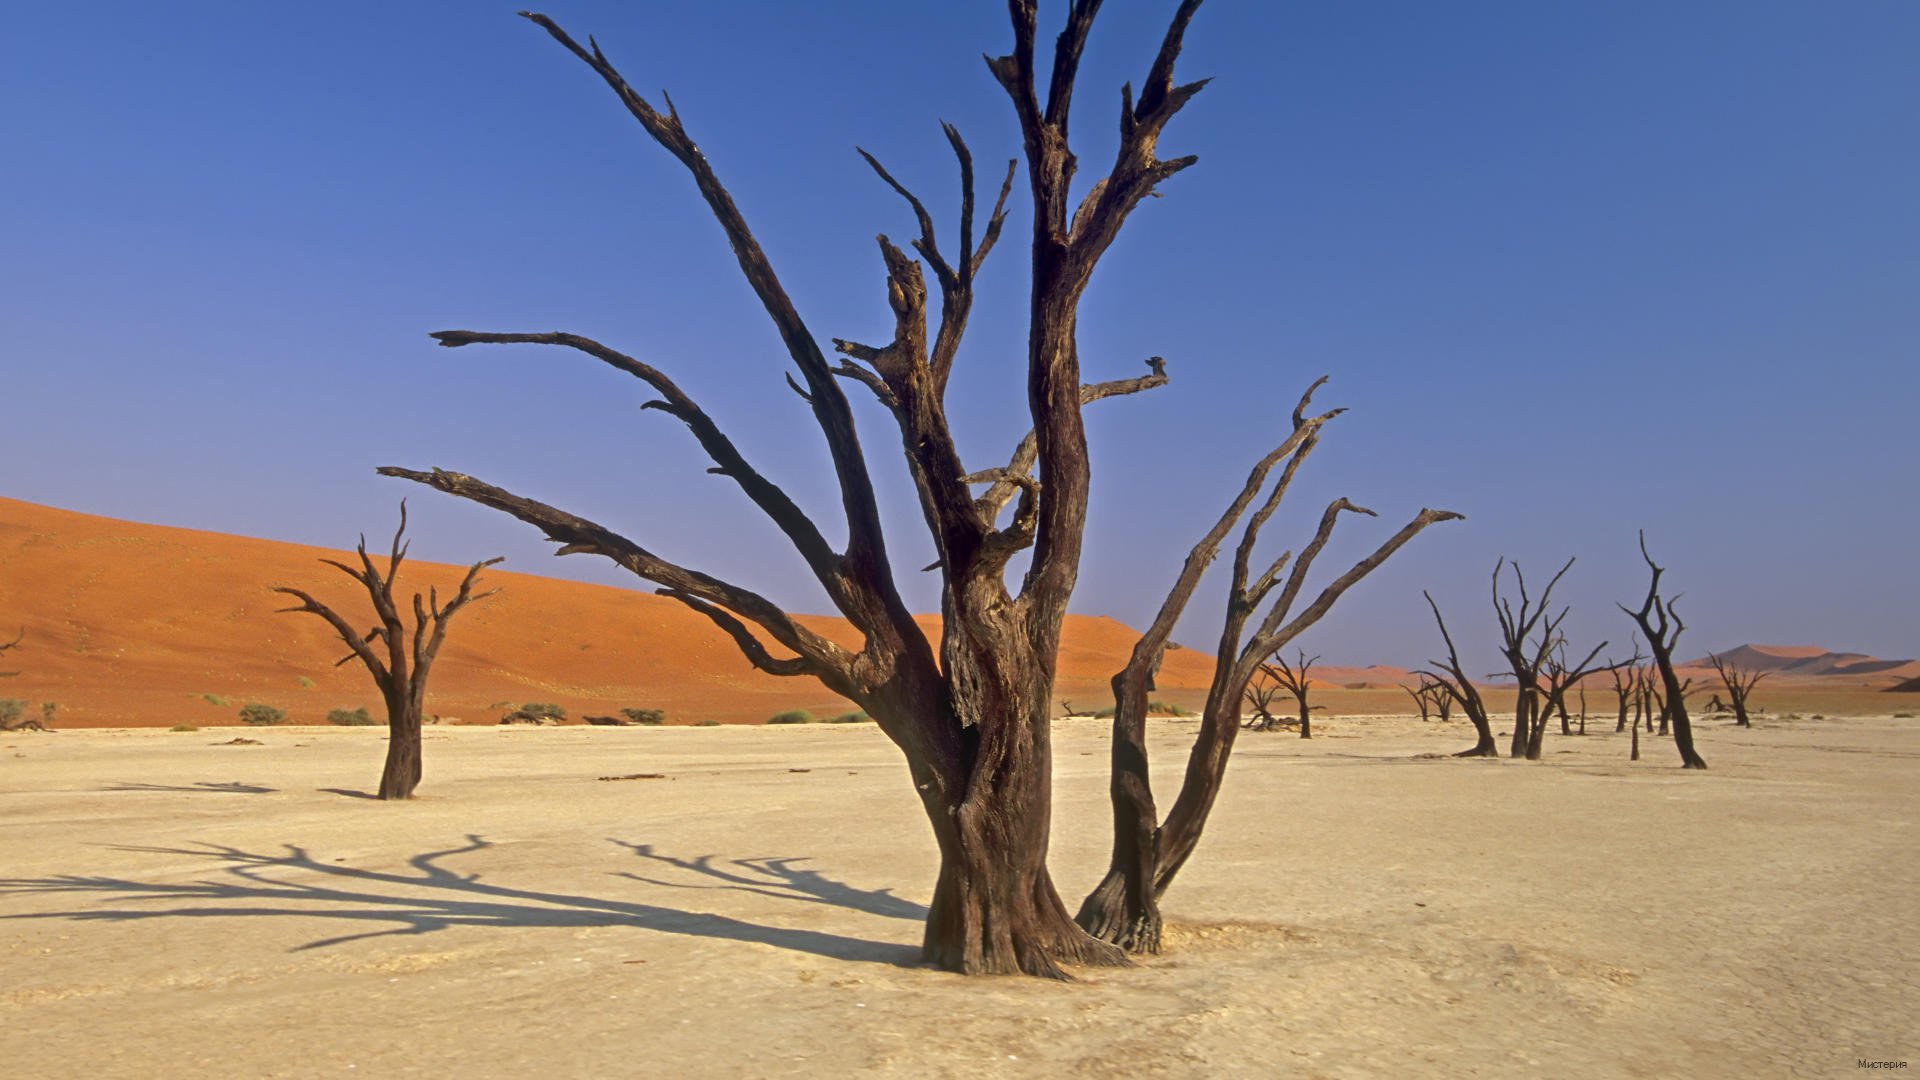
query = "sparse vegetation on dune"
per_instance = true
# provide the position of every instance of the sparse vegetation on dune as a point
(261, 715)
(791, 716)
(357, 717)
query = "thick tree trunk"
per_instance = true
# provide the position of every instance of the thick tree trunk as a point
(1740, 711)
(402, 772)
(1523, 709)
(1124, 908)
(995, 910)
(1306, 721)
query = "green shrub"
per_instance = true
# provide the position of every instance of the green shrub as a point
(183, 727)
(11, 710)
(791, 716)
(707, 723)
(351, 717)
(213, 699)
(650, 717)
(306, 683)
(534, 712)
(260, 715)
(1161, 708)
(851, 718)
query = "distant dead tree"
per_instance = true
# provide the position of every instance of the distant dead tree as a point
(1739, 682)
(1125, 907)
(970, 706)
(1626, 684)
(1293, 679)
(1451, 677)
(1557, 679)
(1529, 637)
(1430, 699)
(1660, 624)
(9, 646)
(1260, 696)
(402, 674)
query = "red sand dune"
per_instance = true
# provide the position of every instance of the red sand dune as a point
(1809, 664)
(130, 624)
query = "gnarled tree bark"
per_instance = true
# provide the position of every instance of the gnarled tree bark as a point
(401, 674)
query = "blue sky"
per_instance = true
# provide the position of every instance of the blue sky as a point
(1576, 269)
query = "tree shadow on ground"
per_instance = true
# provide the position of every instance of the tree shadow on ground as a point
(351, 793)
(231, 787)
(430, 898)
(780, 878)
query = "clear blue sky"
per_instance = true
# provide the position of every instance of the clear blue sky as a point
(1576, 268)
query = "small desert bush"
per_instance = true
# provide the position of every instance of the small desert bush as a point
(851, 718)
(707, 723)
(213, 699)
(1161, 708)
(11, 710)
(535, 712)
(260, 715)
(306, 683)
(650, 717)
(1903, 716)
(791, 716)
(351, 717)
(183, 727)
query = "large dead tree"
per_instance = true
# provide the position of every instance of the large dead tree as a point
(1452, 679)
(1739, 682)
(1124, 908)
(970, 709)
(1529, 638)
(409, 653)
(1660, 624)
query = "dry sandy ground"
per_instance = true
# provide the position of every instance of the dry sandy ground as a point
(175, 907)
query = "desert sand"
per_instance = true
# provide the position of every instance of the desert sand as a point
(177, 906)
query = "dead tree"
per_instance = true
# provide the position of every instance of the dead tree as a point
(968, 708)
(1452, 678)
(1739, 682)
(1124, 908)
(1626, 683)
(402, 674)
(1260, 696)
(1557, 679)
(9, 646)
(1294, 680)
(1529, 637)
(1660, 624)
(1422, 699)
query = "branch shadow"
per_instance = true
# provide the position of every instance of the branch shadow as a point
(231, 787)
(780, 878)
(431, 898)
(351, 793)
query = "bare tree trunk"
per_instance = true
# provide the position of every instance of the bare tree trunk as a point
(1661, 625)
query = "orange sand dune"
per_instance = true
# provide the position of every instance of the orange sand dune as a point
(1810, 663)
(130, 624)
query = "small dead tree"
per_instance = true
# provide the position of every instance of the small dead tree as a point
(1626, 684)
(1660, 624)
(1293, 679)
(1124, 908)
(1260, 695)
(1422, 698)
(1529, 637)
(1452, 679)
(1557, 679)
(402, 674)
(6, 647)
(1739, 682)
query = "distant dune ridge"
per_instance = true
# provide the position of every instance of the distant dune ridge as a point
(140, 625)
